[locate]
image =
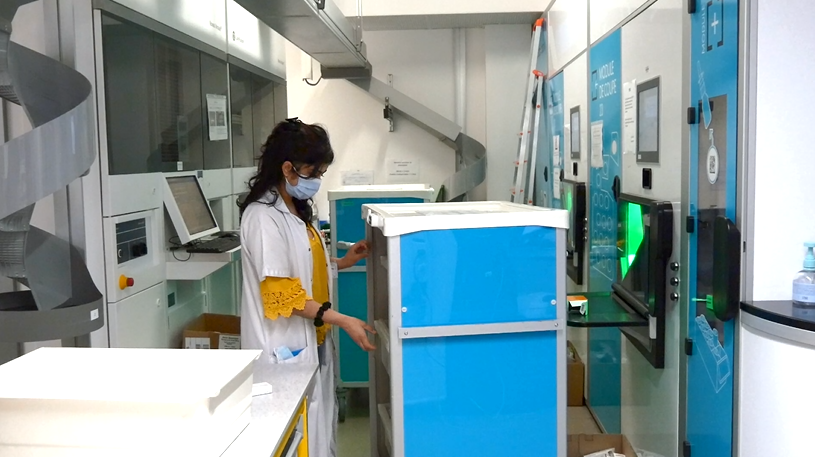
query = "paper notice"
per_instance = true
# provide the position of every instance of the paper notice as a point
(216, 110)
(630, 117)
(597, 144)
(556, 182)
(556, 150)
(403, 172)
(358, 178)
(229, 342)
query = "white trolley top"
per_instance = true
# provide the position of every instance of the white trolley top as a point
(422, 191)
(400, 219)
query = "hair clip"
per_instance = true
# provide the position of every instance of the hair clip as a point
(294, 120)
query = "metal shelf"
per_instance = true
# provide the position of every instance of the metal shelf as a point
(387, 424)
(384, 346)
(604, 311)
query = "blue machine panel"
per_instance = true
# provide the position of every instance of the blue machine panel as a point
(478, 276)
(554, 102)
(486, 395)
(713, 193)
(348, 224)
(605, 61)
(352, 287)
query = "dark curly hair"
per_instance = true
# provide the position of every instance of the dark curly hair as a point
(291, 141)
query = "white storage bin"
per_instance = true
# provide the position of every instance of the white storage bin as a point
(124, 402)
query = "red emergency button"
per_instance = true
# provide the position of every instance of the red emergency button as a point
(125, 282)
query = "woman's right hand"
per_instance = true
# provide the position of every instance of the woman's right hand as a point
(358, 331)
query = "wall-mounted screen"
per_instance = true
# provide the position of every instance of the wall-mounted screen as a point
(648, 121)
(574, 120)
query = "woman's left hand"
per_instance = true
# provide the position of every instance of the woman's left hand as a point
(354, 255)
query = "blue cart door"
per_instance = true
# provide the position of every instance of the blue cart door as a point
(352, 290)
(713, 200)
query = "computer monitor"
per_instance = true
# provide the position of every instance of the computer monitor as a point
(574, 123)
(648, 122)
(188, 208)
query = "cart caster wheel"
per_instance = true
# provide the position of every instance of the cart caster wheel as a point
(342, 400)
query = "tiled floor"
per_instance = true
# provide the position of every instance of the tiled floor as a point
(353, 435)
(353, 438)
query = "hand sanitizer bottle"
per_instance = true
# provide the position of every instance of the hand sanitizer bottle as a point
(803, 286)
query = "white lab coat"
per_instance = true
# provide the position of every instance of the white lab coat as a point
(276, 244)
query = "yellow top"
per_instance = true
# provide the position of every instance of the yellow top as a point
(281, 296)
(320, 285)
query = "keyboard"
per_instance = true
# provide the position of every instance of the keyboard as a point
(215, 246)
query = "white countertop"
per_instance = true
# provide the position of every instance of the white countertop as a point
(273, 413)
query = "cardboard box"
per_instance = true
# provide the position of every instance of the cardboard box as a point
(582, 445)
(575, 373)
(213, 331)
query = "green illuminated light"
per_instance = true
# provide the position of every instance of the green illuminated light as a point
(634, 233)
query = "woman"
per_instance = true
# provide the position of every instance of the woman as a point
(286, 310)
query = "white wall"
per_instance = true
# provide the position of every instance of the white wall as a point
(423, 67)
(353, 118)
(567, 31)
(421, 64)
(605, 14)
(507, 66)
(475, 114)
(575, 93)
(784, 219)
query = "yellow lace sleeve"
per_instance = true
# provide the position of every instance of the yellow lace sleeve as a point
(281, 296)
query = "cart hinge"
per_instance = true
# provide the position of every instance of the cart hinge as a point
(691, 6)
(688, 346)
(691, 116)
(690, 224)
(686, 449)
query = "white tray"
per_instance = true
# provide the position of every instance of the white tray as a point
(124, 402)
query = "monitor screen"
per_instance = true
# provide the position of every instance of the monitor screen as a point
(632, 248)
(649, 120)
(575, 130)
(192, 204)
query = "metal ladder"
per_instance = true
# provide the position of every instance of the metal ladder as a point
(527, 149)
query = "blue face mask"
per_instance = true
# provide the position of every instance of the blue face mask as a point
(305, 188)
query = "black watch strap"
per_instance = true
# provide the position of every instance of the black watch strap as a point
(318, 319)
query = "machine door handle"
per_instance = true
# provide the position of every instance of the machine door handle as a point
(616, 188)
(546, 174)
(726, 268)
(344, 245)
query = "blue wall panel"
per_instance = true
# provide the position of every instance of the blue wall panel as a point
(606, 114)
